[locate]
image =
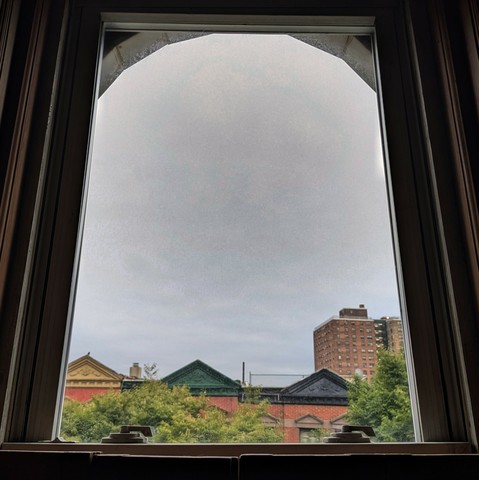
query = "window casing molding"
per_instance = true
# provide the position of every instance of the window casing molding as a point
(36, 299)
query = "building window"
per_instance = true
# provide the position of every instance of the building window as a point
(309, 435)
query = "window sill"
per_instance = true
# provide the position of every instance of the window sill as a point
(229, 449)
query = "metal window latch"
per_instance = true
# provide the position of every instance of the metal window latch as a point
(130, 434)
(352, 434)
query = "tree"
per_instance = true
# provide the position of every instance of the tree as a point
(178, 417)
(384, 404)
(246, 425)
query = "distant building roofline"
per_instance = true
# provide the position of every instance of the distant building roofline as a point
(337, 317)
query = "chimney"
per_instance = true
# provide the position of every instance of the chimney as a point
(135, 370)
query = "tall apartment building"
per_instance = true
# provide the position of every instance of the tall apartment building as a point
(395, 336)
(347, 344)
(389, 333)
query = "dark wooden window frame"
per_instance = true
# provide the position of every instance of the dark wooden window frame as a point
(44, 133)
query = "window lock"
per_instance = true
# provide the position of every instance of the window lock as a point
(130, 434)
(352, 434)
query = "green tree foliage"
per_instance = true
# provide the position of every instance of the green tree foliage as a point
(178, 417)
(384, 403)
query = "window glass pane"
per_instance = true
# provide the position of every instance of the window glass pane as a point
(309, 435)
(237, 234)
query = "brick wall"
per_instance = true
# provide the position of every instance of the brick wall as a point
(228, 404)
(84, 394)
(288, 415)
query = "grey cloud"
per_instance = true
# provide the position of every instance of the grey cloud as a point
(250, 218)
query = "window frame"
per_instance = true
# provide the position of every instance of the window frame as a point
(36, 296)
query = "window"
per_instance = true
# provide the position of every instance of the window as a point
(310, 435)
(431, 273)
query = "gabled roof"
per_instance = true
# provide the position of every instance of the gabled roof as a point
(322, 387)
(270, 420)
(323, 383)
(200, 377)
(308, 421)
(90, 371)
(339, 420)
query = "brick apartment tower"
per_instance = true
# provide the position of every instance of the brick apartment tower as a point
(395, 336)
(347, 344)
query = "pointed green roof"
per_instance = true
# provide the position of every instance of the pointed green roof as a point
(200, 377)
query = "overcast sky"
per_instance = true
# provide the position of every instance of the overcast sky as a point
(237, 200)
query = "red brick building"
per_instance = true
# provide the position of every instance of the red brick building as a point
(87, 377)
(318, 401)
(347, 344)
